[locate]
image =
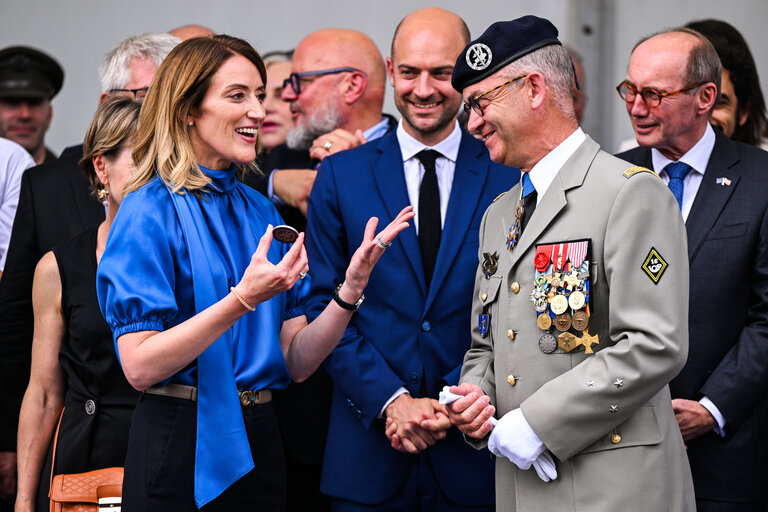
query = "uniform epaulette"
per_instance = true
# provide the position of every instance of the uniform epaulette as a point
(636, 170)
(497, 197)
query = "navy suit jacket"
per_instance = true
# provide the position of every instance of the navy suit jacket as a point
(402, 335)
(728, 323)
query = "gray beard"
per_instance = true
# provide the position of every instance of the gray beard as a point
(322, 122)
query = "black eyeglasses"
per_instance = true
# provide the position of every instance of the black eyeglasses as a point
(474, 102)
(294, 80)
(137, 94)
(651, 97)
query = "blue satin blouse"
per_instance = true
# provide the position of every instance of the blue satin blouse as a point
(144, 279)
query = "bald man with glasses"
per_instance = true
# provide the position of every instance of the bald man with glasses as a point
(721, 186)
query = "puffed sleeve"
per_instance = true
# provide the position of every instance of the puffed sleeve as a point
(137, 274)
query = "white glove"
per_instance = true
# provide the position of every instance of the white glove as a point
(446, 397)
(514, 439)
(545, 466)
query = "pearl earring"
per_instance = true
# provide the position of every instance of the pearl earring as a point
(191, 123)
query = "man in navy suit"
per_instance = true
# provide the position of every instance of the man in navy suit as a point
(390, 445)
(672, 84)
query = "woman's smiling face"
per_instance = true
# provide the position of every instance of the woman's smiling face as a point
(225, 128)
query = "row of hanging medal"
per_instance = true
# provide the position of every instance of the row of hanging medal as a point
(560, 296)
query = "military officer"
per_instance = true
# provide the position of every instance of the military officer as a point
(29, 79)
(580, 307)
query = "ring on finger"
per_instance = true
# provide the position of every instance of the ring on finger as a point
(381, 243)
(328, 145)
(302, 275)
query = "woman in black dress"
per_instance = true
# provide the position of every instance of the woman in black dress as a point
(73, 358)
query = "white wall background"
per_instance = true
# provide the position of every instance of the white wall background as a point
(78, 33)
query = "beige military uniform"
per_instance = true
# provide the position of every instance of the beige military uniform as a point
(606, 417)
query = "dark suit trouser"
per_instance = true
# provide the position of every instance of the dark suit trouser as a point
(420, 492)
(160, 465)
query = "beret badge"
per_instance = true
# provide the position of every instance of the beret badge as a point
(479, 56)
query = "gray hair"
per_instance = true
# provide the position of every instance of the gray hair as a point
(555, 66)
(277, 56)
(114, 72)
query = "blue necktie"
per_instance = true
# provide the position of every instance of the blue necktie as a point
(528, 187)
(677, 171)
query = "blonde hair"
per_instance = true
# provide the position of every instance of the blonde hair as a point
(114, 123)
(163, 144)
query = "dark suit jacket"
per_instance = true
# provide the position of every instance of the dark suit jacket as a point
(54, 206)
(402, 335)
(728, 351)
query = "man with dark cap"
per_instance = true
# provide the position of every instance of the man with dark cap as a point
(29, 79)
(580, 301)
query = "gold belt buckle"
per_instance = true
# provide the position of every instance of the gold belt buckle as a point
(249, 398)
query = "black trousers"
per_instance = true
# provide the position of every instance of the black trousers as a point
(160, 465)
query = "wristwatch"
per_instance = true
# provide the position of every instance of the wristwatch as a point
(347, 305)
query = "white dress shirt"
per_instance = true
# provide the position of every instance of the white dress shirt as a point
(445, 166)
(14, 160)
(698, 158)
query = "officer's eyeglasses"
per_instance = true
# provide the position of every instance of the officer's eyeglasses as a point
(294, 79)
(474, 102)
(137, 94)
(651, 97)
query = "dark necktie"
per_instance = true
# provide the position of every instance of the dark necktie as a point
(529, 200)
(430, 227)
(677, 171)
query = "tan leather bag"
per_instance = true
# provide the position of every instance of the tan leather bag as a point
(80, 492)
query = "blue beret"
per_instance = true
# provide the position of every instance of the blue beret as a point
(502, 43)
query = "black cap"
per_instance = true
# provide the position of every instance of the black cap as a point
(28, 73)
(502, 43)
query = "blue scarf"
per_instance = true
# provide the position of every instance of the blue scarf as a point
(222, 451)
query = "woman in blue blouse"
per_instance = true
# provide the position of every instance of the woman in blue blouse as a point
(206, 310)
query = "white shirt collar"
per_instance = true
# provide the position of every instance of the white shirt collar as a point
(448, 147)
(547, 168)
(697, 157)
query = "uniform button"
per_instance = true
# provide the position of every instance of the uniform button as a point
(511, 334)
(90, 407)
(426, 326)
(484, 297)
(414, 377)
(615, 438)
(511, 380)
(515, 287)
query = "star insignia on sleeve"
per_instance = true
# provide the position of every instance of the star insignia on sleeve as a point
(590, 383)
(619, 383)
(613, 408)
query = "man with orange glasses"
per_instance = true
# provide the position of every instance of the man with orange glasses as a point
(719, 397)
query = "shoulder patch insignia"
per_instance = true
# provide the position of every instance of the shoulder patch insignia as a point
(635, 170)
(654, 265)
(498, 197)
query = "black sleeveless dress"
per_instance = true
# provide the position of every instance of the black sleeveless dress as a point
(98, 401)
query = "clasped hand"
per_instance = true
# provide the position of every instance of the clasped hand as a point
(413, 424)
